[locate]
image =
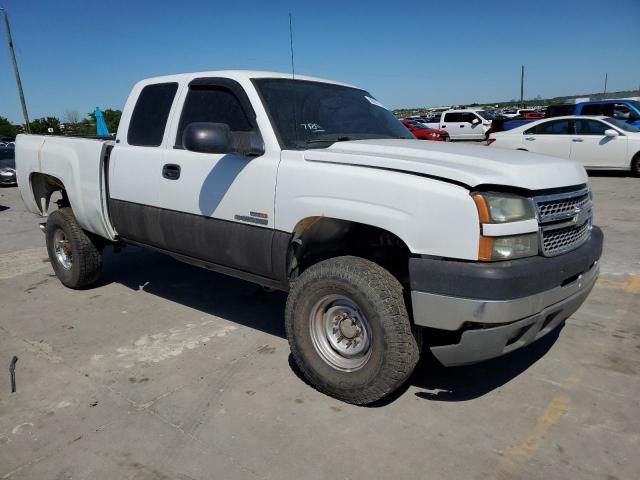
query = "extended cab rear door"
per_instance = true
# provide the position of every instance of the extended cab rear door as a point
(218, 207)
(135, 164)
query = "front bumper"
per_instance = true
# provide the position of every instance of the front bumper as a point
(499, 307)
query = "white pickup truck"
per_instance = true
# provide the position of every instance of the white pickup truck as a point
(312, 187)
(464, 124)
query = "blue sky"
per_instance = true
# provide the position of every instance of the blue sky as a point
(75, 55)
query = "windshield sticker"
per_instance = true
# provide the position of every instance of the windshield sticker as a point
(375, 102)
(312, 127)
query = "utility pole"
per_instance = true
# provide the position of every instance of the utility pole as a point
(15, 70)
(522, 87)
(605, 83)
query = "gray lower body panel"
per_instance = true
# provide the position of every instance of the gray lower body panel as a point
(481, 344)
(490, 328)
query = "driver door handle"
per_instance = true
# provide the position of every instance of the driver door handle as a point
(171, 171)
(577, 140)
(531, 139)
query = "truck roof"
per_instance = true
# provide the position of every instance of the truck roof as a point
(237, 75)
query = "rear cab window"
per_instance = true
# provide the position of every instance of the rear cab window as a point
(150, 114)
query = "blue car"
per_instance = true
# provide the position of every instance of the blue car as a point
(627, 110)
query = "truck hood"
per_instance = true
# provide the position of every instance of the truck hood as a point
(470, 165)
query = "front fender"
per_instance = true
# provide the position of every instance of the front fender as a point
(430, 216)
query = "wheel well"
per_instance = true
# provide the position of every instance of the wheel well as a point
(43, 187)
(320, 238)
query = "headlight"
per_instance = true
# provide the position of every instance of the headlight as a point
(502, 208)
(496, 208)
(508, 248)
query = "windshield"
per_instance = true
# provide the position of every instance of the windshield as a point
(486, 114)
(627, 125)
(309, 114)
(636, 104)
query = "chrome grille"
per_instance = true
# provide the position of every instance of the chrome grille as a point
(556, 242)
(560, 208)
(565, 221)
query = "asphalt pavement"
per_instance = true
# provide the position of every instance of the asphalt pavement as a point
(167, 371)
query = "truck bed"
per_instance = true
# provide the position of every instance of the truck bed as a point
(80, 164)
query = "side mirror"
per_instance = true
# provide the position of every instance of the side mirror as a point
(475, 121)
(207, 137)
(610, 132)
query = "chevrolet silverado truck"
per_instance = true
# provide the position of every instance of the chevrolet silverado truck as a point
(385, 244)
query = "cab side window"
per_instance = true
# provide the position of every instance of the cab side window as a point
(557, 127)
(453, 117)
(590, 127)
(468, 117)
(149, 117)
(212, 104)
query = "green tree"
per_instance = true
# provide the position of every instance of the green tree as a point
(7, 130)
(41, 126)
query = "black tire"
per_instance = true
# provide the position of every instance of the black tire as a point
(394, 349)
(86, 255)
(635, 165)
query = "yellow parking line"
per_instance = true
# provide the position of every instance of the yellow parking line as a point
(519, 453)
(631, 285)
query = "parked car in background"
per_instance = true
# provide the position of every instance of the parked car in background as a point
(561, 110)
(595, 142)
(464, 124)
(421, 132)
(7, 165)
(534, 115)
(621, 108)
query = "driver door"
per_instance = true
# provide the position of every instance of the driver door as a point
(218, 207)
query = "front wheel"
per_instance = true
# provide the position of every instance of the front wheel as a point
(75, 257)
(635, 165)
(349, 330)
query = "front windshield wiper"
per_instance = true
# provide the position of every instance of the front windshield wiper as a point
(331, 140)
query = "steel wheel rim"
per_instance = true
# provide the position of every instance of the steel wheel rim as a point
(62, 249)
(340, 333)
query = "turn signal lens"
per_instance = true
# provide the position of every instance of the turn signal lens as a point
(483, 208)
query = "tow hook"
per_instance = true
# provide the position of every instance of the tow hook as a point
(43, 227)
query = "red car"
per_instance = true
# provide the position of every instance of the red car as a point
(533, 115)
(423, 133)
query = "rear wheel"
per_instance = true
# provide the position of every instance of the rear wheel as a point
(75, 257)
(349, 331)
(635, 165)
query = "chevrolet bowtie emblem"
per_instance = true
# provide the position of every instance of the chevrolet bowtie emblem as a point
(581, 216)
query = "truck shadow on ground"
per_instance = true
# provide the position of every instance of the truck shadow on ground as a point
(249, 305)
